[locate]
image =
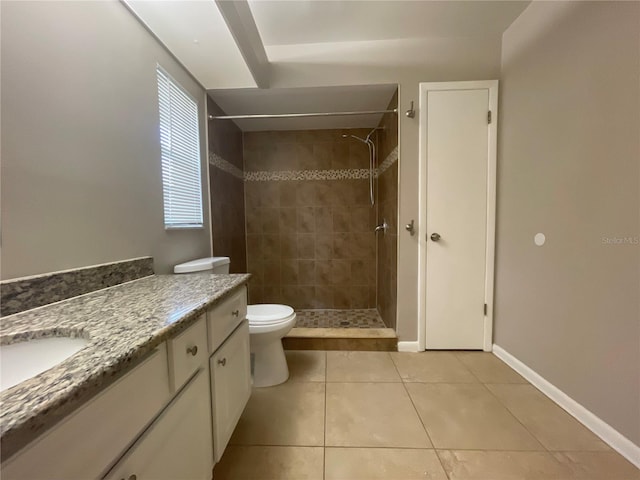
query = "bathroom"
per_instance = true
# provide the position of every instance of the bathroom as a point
(288, 200)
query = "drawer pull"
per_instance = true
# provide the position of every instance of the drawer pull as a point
(193, 351)
(222, 362)
(131, 477)
(235, 313)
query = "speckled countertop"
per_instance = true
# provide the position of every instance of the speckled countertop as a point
(123, 324)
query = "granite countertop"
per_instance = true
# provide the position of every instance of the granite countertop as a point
(123, 325)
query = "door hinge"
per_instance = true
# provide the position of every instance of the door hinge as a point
(485, 309)
(489, 116)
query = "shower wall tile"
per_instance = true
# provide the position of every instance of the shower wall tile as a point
(319, 232)
(227, 190)
(388, 135)
(387, 203)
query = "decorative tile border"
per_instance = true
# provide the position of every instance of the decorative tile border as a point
(219, 162)
(346, 174)
(264, 176)
(390, 160)
(284, 175)
(18, 295)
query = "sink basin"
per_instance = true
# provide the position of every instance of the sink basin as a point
(23, 360)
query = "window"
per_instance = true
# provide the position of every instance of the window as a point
(180, 154)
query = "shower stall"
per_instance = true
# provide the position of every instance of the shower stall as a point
(320, 207)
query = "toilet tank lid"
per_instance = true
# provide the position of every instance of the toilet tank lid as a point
(201, 264)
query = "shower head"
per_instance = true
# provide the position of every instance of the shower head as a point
(344, 135)
(372, 158)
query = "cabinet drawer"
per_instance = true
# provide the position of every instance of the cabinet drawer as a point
(187, 352)
(84, 443)
(230, 386)
(224, 318)
(178, 443)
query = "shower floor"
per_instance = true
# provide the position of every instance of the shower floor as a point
(356, 318)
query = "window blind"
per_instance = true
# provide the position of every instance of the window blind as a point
(180, 155)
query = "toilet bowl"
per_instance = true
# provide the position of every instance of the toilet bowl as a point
(268, 323)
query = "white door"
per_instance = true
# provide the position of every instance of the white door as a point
(457, 141)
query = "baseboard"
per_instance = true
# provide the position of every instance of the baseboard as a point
(606, 432)
(408, 346)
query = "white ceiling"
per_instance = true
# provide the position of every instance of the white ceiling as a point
(305, 100)
(196, 33)
(303, 22)
(443, 37)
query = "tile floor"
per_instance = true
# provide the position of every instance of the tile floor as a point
(404, 416)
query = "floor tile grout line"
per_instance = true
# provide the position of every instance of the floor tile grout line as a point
(324, 449)
(424, 427)
(378, 447)
(274, 445)
(501, 403)
(441, 382)
(455, 355)
(515, 416)
(441, 463)
(609, 448)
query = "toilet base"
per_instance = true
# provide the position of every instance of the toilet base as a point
(269, 364)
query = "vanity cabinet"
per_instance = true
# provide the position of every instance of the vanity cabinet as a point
(230, 385)
(177, 445)
(171, 417)
(83, 444)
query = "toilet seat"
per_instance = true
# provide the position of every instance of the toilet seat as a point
(269, 314)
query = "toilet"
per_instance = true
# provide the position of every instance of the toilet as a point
(268, 323)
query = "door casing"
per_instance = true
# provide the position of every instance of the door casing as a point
(424, 88)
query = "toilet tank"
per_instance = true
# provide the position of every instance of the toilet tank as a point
(214, 264)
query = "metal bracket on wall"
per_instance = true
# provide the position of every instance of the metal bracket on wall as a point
(409, 227)
(411, 112)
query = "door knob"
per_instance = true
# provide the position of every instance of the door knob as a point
(435, 237)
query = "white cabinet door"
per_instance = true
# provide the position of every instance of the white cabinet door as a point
(230, 385)
(178, 443)
(82, 445)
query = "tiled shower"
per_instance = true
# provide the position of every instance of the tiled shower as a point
(310, 240)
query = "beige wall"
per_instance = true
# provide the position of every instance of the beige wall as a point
(466, 59)
(81, 179)
(569, 150)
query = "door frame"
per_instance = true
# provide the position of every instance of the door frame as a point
(424, 88)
